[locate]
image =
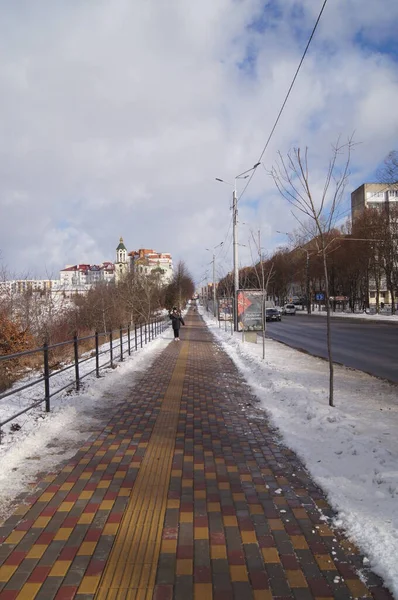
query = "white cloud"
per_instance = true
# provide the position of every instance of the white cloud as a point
(116, 117)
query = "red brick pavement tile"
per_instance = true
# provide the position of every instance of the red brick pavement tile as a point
(66, 593)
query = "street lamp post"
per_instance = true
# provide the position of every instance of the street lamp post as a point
(243, 175)
(214, 277)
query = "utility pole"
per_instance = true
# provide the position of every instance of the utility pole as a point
(214, 285)
(307, 269)
(235, 256)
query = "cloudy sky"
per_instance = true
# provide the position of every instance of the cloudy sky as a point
(116, 117)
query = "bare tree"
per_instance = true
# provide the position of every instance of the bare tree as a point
(263, 276)
(292, 178)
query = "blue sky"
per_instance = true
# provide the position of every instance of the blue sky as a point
(116, 117)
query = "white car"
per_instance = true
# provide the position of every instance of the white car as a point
(289, 309)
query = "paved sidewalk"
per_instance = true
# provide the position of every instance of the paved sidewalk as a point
(183, 495)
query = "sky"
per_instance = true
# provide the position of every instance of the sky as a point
(116, 118)
(351, 450)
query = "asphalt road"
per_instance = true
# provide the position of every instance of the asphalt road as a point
(367, 346)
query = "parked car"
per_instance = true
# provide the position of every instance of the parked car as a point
(272, 314)
(289, 309)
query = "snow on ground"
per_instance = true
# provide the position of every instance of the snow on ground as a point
(46, 439)
(351, 450)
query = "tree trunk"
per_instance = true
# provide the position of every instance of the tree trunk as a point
(328, 328)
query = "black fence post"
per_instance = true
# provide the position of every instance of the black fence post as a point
(152, 330)
(76, 352)
(97, 368)
(141, 333)
(135, 336)
(128, 339)
(46, 377)
(149, 331)
(121, 343)
(145, 333)
(111, 347)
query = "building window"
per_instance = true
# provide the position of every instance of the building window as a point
(372, 294)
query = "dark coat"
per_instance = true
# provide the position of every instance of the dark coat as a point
(176, 321)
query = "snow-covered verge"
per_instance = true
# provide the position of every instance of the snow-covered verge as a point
(351, 450)
(46, 439)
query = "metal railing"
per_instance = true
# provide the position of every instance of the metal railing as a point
(127, 340)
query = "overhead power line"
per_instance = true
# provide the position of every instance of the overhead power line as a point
(286, 98)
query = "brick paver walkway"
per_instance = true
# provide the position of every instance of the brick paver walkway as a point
(183, 495)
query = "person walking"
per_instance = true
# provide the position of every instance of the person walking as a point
(176, 322)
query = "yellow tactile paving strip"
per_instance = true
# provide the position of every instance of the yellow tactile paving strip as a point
(131, 568)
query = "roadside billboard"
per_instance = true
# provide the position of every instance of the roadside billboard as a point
(250, 313)
(225, 309)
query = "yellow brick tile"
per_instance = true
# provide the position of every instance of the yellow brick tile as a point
(245, 477)
(29, 591)
(296, 579)
(270, 555)
(173, 503)
(65, 506)
(217, 552)
(275, 524)
(46, 497)
(110, 529)
(324, 530)
(262, 595)
(60, 568)
(106, 505)
(187, 483)
(214, 507)
(101, 467)
(49, 478)
(299, 542)
(86, 475)
(115, 446)
(66, 487)
(116, 459)
(87, 549)
(239, 497)
(203, 591)
(85, 495)
(84, 461)
(21, 510)
(168, 546)
(248, 537)
(201, 533)
(238, 573)
(37, 551)
(86, 519)
(89, 584)
(325, 562)
(232, 469)
(15, 537)
(184, 566)
(68, 469)
(198, 467)
(6, 572)
(200, 494)
(41, 522)
(219, 461)
(209, 476)
(230, 521)
(63, 533)
(186, 517)
(188, 458)
(300, 513)
(97, 443)
(124, 492)
(130, 452)
(357, 588)
(224, 485)
(256, 509)
(261, 488)
(119, 475)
